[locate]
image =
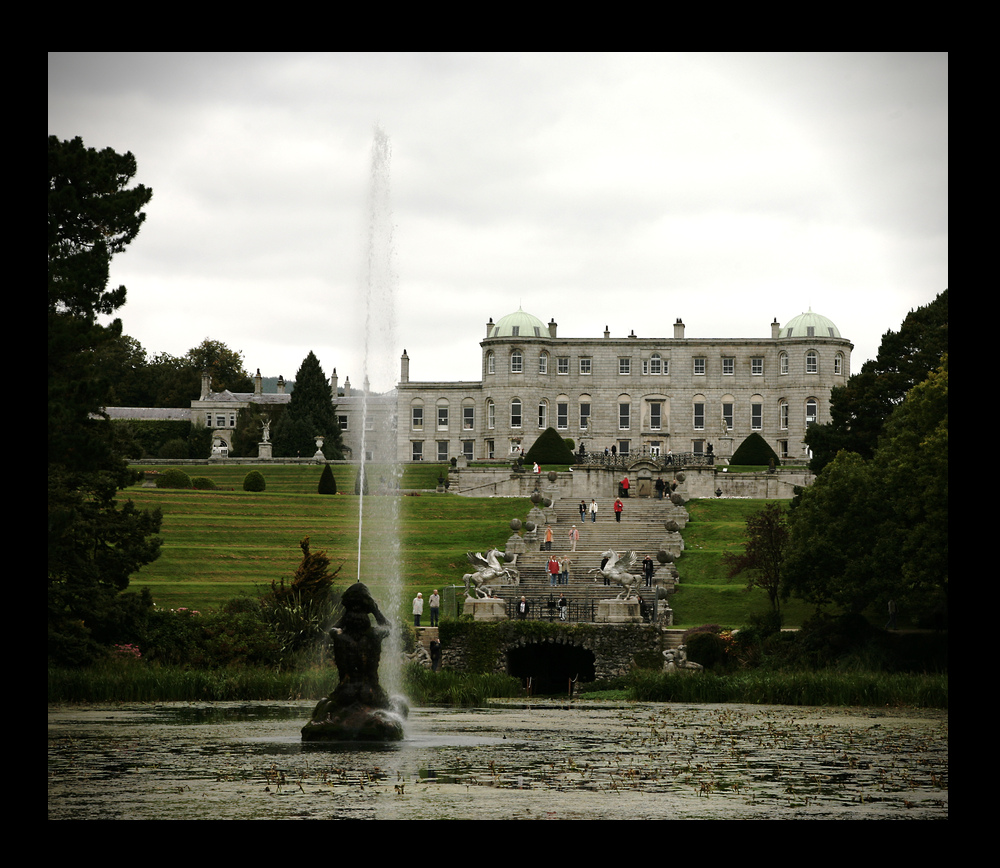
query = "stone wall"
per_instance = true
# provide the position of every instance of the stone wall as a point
(586, 482)
(615, 647)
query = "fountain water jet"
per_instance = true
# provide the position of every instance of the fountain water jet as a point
(343, 714)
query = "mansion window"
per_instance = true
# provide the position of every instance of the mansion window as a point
(442, 418)
(491, 415)
(543, 363)
(417, 418)
(783, 363)
(655, 415)
(625, 366)
(699, 367)
(468, 449)
(727, 415)
(516, 362)
(442, 450)
(417, 450)
(562, 365)
(562, 415)
(838, 364)
(515, 413)
(812, 362)
(756, 417)
(812, 411)
(728, 366)
(757, 366)
(543, 415)
(468, 418)
(342, 421)
(699, 416)
(584, 416)
(490, 363)
(655, 364)
(624, 416)
(783, 415)
(585, 366)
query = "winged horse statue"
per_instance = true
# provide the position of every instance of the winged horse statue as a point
(617, 570)
(488, 571)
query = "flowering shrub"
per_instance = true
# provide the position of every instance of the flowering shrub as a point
(126, 652)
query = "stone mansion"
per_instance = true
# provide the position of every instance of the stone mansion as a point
(630, 393)
(633, 394)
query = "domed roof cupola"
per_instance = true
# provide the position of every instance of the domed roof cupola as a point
(519, 324)
(810, 325)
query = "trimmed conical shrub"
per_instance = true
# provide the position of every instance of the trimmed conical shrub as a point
(327, 484)
(550, 448)
(754, 450)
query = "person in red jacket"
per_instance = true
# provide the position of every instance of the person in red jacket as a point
(619, 506)
(554, 570)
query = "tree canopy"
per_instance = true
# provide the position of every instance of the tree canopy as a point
(871, 530)
(94, 544)
(860, 408)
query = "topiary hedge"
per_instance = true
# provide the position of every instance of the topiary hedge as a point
(754, 450)
(327, 484)
(550, 448)
(173, 478)
(254, 481)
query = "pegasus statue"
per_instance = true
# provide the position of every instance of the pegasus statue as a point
(489, 570)
(617, 570)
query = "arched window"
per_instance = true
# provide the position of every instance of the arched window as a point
(655, 364)
(783, 363)
(490, 363)
(812, 411)
(516, 362)
(543, 363)
(491, 414)
(812, 362)
(838, 364)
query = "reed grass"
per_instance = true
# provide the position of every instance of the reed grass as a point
(116, 681)
(822, 687)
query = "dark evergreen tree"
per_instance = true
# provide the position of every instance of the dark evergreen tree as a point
(860, 408)
(310, 413)
(94, 543)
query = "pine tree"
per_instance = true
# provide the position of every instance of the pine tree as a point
(310, 413)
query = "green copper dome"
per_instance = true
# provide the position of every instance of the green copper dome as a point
(810, 325)
(519, 324)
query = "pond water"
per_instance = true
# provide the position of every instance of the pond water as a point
(547, 761)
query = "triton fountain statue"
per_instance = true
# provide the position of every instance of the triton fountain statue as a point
(358, 709)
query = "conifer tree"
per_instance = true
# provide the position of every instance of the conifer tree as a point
(310, 413)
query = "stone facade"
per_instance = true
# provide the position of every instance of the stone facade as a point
(615, 647)
(636, 394)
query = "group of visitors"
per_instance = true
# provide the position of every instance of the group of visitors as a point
(523, 608)
(558, 571)
(418, 608)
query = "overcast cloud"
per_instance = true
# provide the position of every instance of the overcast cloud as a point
(614, 190)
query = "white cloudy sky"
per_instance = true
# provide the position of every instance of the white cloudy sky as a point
(618, 190)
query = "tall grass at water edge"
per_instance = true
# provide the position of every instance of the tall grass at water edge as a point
(824, 687)
(118, 681)
(136, 682)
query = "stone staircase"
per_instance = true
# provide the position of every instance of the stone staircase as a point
(641, 529)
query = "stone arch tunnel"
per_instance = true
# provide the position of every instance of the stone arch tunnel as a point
(550, 666)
